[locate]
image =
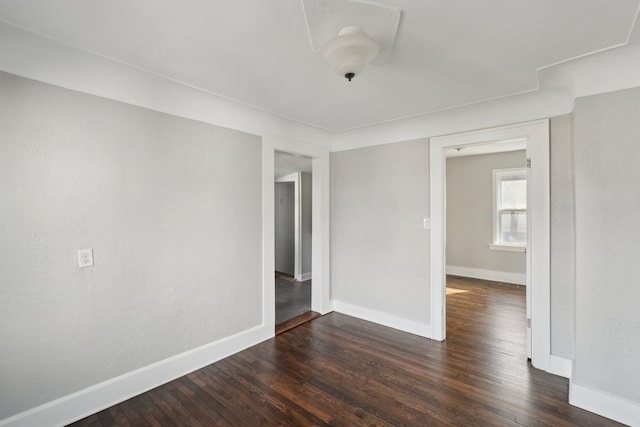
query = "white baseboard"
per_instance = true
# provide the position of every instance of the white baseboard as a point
(93, 399)
(560, 366)
(303, 277)
(607, 405)
(493, 275)
(386, 319)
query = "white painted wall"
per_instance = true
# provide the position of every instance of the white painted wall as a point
(563, 230)
(469, 189)
(172, 210)
(380, 257)
(285, 227)
(607, 202)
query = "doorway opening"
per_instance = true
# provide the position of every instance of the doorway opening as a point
(293, 237)
(486, 240)
(538, 275)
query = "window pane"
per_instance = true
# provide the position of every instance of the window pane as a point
(510, 198)
(513, 193)
(512, 227)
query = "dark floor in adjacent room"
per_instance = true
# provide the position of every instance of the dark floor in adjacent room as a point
(292, 297)
(342, 371)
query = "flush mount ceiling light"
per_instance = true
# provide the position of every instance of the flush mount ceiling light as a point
(350, 51)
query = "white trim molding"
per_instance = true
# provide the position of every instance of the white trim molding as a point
(304, 277)
(382, 318)
(560, 366)
(321, 236)
(320, 290)
(507, 248)
(607, 405)
(493, 275)
(83, 403)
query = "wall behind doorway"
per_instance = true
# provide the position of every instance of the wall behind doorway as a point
(285, 227)
(470, 219)
(306, 218)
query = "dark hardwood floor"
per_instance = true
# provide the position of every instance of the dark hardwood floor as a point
(338, 370)
(294, 322)
(292, 297)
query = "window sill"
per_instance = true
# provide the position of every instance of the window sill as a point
(507, 248)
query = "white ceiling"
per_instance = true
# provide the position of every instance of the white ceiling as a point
(446, 53)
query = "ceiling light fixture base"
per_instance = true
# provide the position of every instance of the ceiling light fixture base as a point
(350, 51)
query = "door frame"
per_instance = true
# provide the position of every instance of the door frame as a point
(320, 257)
(539, 240)
(297, 223)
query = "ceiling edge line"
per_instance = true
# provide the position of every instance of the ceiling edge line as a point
(428, 113)
(168, 78)
(585, 55)
(633, 24)
(604, 49)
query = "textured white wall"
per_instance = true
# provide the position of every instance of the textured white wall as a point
(607, 182)
(172, 210)
(563, 248)
(470, 212)
(380, 252)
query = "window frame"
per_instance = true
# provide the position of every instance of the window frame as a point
(497, 244)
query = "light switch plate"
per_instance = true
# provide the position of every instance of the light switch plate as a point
(426, 223)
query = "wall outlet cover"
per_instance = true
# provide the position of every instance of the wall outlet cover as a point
(85, 258)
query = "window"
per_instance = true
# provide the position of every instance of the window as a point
(510, 208)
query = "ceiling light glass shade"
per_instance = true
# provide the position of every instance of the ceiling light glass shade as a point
(350, 52)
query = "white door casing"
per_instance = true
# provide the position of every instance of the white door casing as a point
(320, 290)
(538, 251)
(528, 254)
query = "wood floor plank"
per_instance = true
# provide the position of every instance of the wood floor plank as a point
(341, 371)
